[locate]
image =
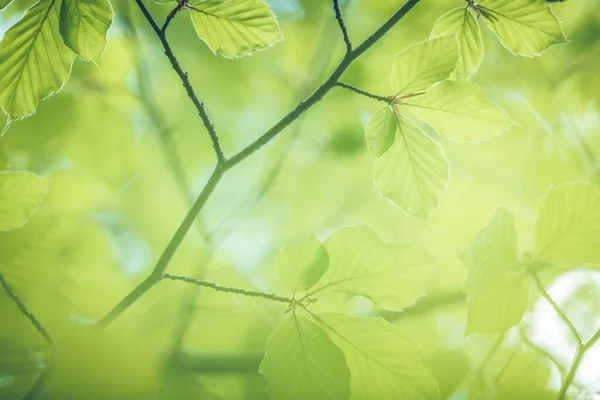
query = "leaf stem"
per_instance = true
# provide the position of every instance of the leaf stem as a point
(23, 309)
(225, 289)
(340, 20)
(579, 355)
(370, 95)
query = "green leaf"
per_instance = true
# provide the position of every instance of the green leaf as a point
(383, 363)
(235, 28)
(525, 27)
(34, 61)
(393, 276)
(301, 362)
(421, 65)
(460, 111)
(83, 26)
(567, 230)
(497, 288)
(20, 195)
(413, 172)
(4, 4)
(300, 266)
(462, 23)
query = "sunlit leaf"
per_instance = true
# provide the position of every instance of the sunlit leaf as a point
(413, 171)
(383, 363)
(497, 288)
(20, 195)
(83, 26)
(34, 61)
(301, 265)
(567, 230)
(421, 65)
(235, 28)
(462, 23)
(525, 27)
(301, 362)
(393, 276)
(460, 111)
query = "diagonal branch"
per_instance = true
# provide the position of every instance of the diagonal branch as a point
(340, 20)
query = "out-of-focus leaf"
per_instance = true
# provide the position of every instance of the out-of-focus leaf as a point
(497, 288)
(20, 195)
(460, 111)
(383, 363)
(83, 26)
(567, 230)
(235, 28)
(301, 362)
(300, 266)
(4, 3)
(413, 171)
(34, 61)
(525, 27)
(421, 65)
(462, 23)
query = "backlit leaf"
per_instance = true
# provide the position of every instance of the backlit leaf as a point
(235, 28)
(460, 111)
(301, 265)
(567, 230)
(301, 362)
(20, 195)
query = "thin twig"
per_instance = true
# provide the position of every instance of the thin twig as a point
(226, 289)
(579, 355)
(370, 95)
(23, 309)
(340, 20)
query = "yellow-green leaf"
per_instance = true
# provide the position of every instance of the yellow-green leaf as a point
(421, 65)
(525, 27)
(83, 26)
(413, 172)
(300, 266)
(301, 362)
(497, 287)
(34, 61)
(462, 23)
(393, 276)
(460, 111)
(383, 363)
(567, 230)
(235, 28)
(20, 195)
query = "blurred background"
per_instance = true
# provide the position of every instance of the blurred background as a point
(127, 154)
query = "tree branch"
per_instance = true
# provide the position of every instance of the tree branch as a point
(340, 20)
(23, 309)
(370, 95)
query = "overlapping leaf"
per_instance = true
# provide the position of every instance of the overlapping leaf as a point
(525, 27)
(235, 28)
(300, 266)
(460, 111)
(83, 26)
(301, 362)
(567, 230)
(462, 23)
(383, 363)
(409, 167)
(497, 288)
(34, 61)
(20, 195)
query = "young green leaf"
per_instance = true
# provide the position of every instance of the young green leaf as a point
(421, 65)
(301, 362)
(383, 363)
(34, 61)
(83, 26)
(235, 28)
(413, 170)
(567, 230)
(460, 111)
(393, 276)
(20, 195)
(300, 266)
(462, 23)
(525, 27)
(497, 288)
